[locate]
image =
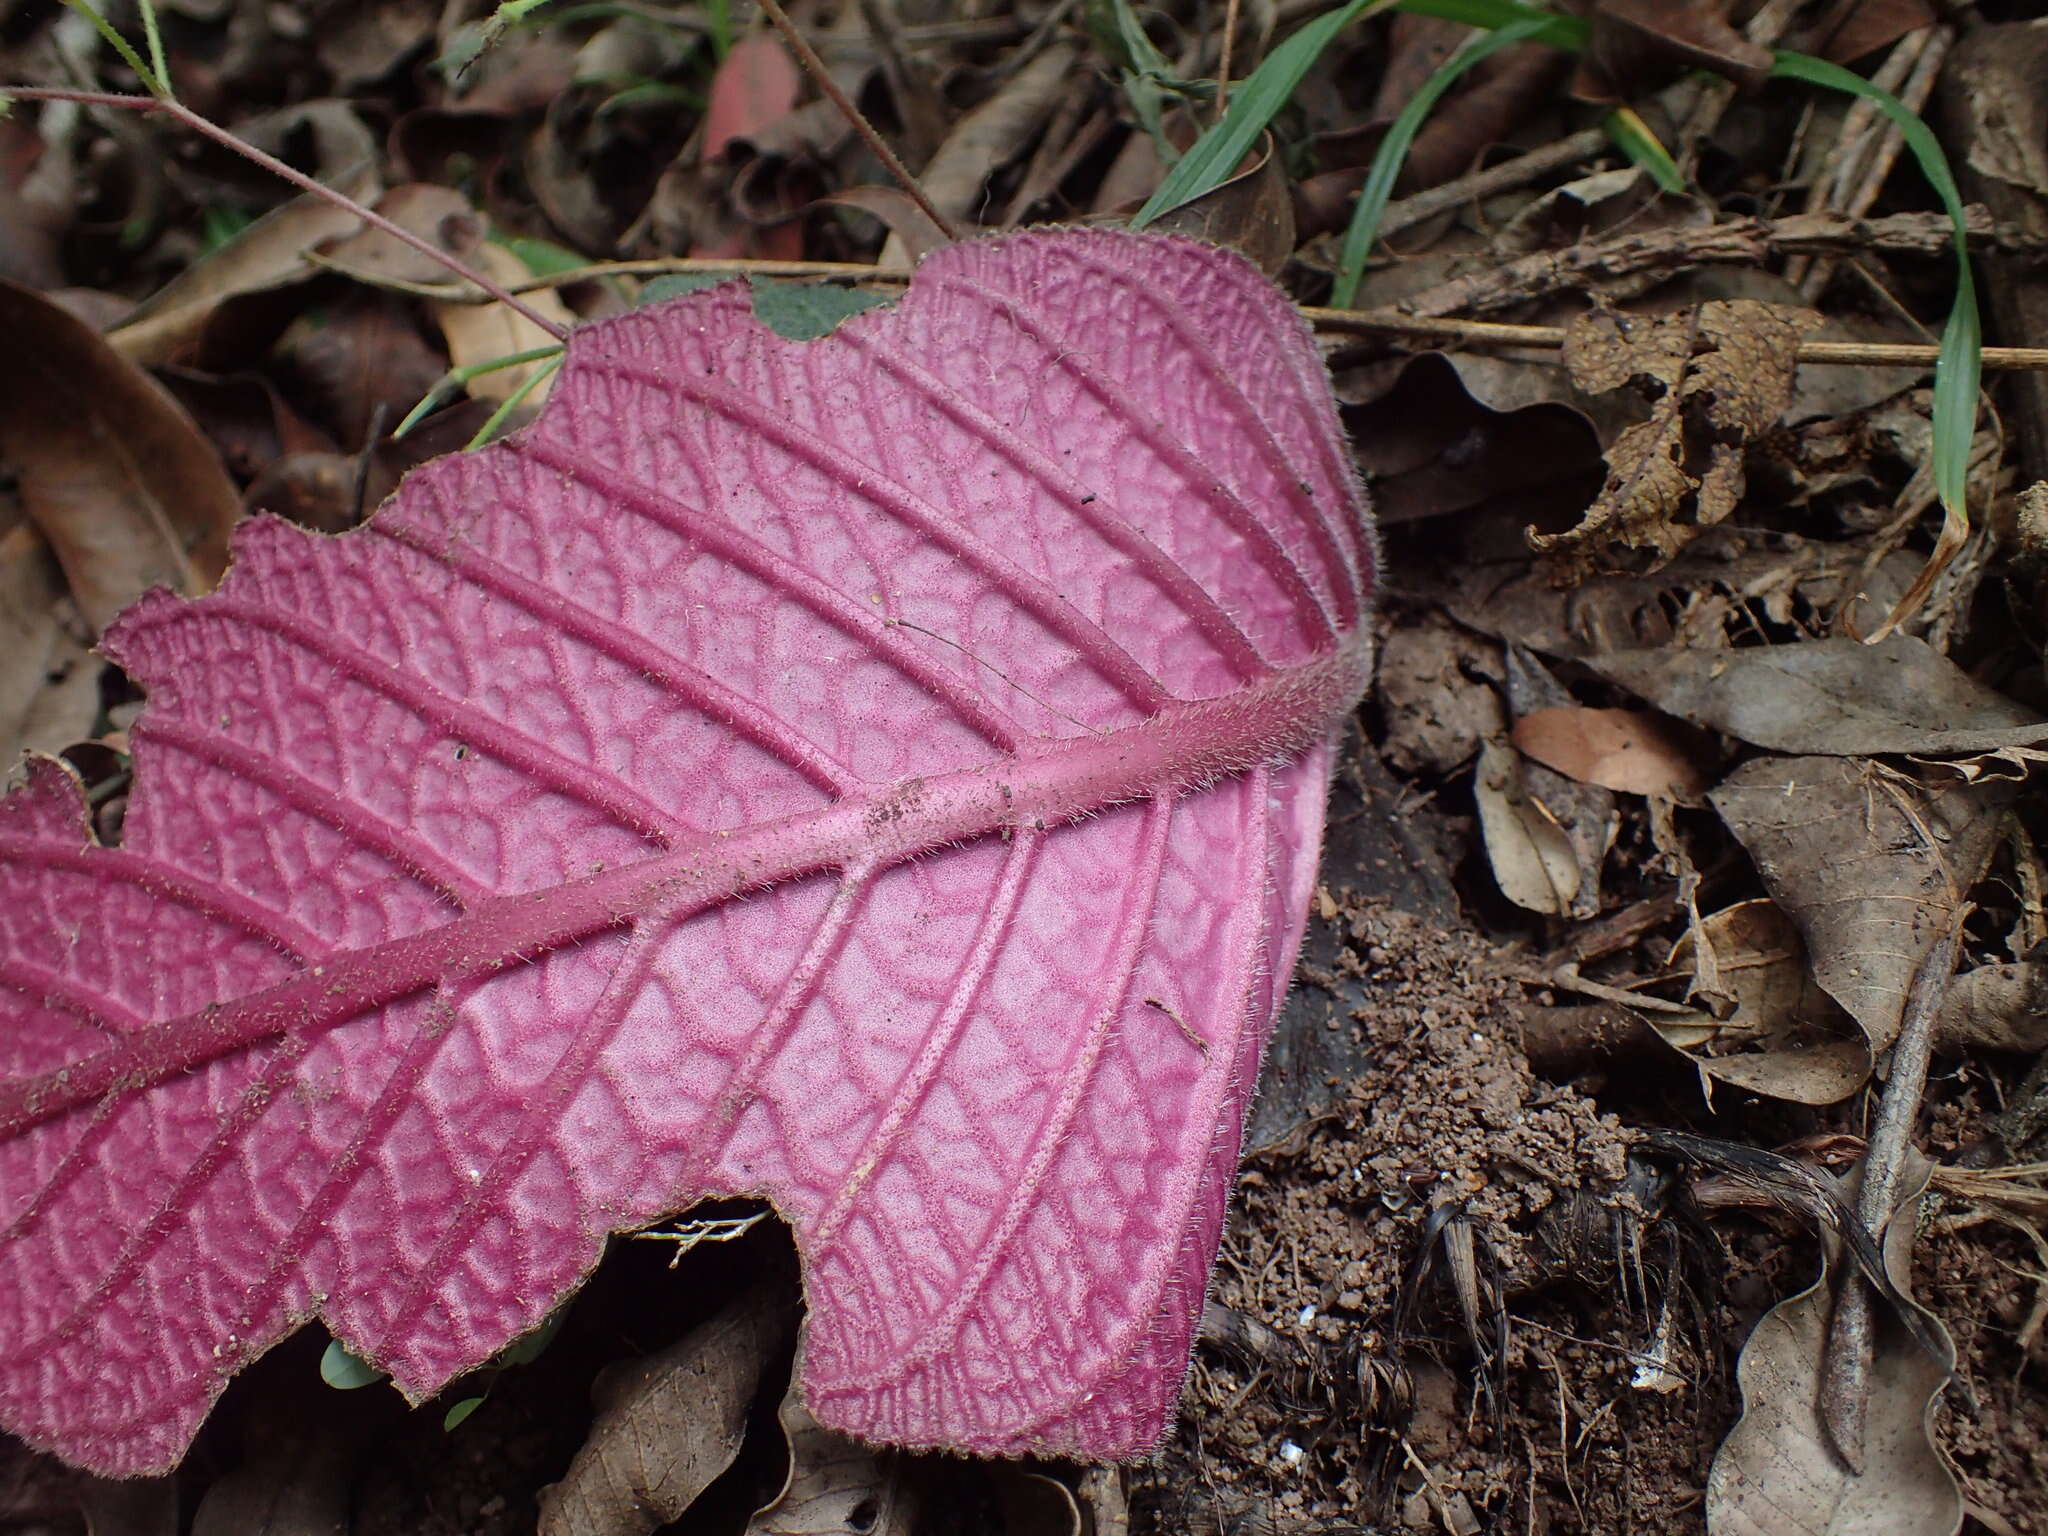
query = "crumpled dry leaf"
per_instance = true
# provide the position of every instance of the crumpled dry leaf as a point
(1759, 974)
(1705, 600)
(668, 1424)
(1626, 750)
(1777, 1473)
(108, 466)
(1718, 377)
(1833, 697)
(836, 1485)
(1870, 865)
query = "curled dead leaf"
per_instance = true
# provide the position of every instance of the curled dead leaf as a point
(1996, 1008)
(836, 1486)
(109, 467)
(1773, 1030)
(1831, 696)
(1528, 850)
(271, 253)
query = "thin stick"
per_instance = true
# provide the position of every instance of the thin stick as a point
(1489, 333)
(1341, 322)
(1223, 66)
(815, 67)
(178, 112)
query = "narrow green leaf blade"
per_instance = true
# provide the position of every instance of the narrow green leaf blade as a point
(1633, 137)
(1958, 368)
(1252, 106)
(1393, 149)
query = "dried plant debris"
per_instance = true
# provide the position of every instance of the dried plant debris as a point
(1781, 1470)
(669, 1424)
(1434, 1150)
(836, 1484)
(1761, 1022)
(1832, 696)
(1871, 864)
(1717, 378)
(111, 469)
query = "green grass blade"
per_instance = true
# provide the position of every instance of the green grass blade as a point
(1633, 137)
(1253, 105)
(122, 46)
(155, 41)
(1959, 365)
(451, 382)
(512, 402)
(1386, 161)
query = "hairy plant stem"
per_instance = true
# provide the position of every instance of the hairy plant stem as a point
(180, 113)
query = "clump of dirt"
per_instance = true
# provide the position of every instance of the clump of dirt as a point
(1377, 1401)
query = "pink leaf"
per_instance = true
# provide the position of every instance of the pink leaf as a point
(882, 775)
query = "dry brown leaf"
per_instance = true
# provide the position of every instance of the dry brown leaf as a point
(441, 216)
(1626, 750)
(1531, 857)
(1635, 46)
(1995, 1008)
(1717, 377)
(477, 333)
(1835, 697)
(1250, 211)
(667, 1425)
(49, 683)
(109, 467)
(1777, 1473)
(836, 1486)
(270, 253)
(1870, 865)
(1585, 813)
(1792, 1029)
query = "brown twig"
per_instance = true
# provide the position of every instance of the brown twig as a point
(815, 68)
(1747, 241)
(1845, 1378)
(1229, 58)
(1852, 183)
(180, 113)
(1547, 338)
(1340, 322)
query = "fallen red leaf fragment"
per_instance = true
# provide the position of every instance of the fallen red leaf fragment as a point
(1624, 750)
(881, 774)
